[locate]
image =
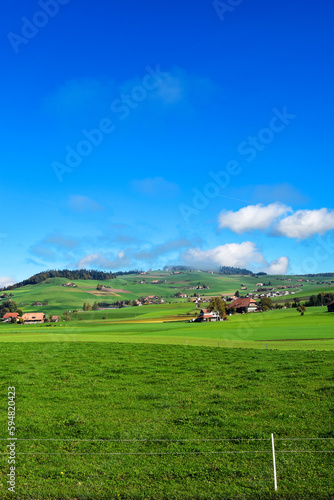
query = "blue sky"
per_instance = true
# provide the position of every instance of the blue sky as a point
(139, 134)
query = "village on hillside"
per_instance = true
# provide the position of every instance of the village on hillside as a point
(208, 308)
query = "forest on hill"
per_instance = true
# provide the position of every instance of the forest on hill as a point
(78, 274)
(221, 270)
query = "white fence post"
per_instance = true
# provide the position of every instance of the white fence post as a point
(274, 460)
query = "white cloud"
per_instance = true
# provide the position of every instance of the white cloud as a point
(171, 89)
(6, 281)
(180, 86)
(278, 266)
(244, 255)
(252, 217)
(231, 254)
(104, 261)
(80, 203)
(306, 223)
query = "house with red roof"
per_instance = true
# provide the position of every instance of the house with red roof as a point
(244, 305)
(33, 318)
(206, 315)
(7, 318)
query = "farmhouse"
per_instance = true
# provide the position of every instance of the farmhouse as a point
(55, 319)
(331, 306)
(149, 298)
(243, 305)
(206, 315)
(9, 316)
(33, 318)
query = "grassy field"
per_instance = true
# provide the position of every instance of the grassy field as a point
(141, 404)
(173, 399)
(169, 324)
(128, 287)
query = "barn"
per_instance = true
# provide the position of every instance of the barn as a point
(33, 318)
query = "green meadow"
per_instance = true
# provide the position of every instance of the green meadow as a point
(169, 324)
(138, 403)
(135, 421)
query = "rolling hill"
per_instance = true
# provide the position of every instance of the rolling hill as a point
(59, 298)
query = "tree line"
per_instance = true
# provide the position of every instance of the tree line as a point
(235, 270)
(78, 274)
(322, 299)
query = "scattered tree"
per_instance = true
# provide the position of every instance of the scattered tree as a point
(301, 309)
(265, 303)
(217, 304)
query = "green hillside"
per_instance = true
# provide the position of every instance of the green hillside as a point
(129, 287)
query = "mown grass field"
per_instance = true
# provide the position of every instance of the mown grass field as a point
(179, 395)
(169, 324)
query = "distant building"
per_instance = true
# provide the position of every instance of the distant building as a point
(150, 298)
(33, 318)
(9, 316)
(331, 306)
(243, 305)
(55, 319)
(206, 315)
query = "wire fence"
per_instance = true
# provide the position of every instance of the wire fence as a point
(268, 446)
